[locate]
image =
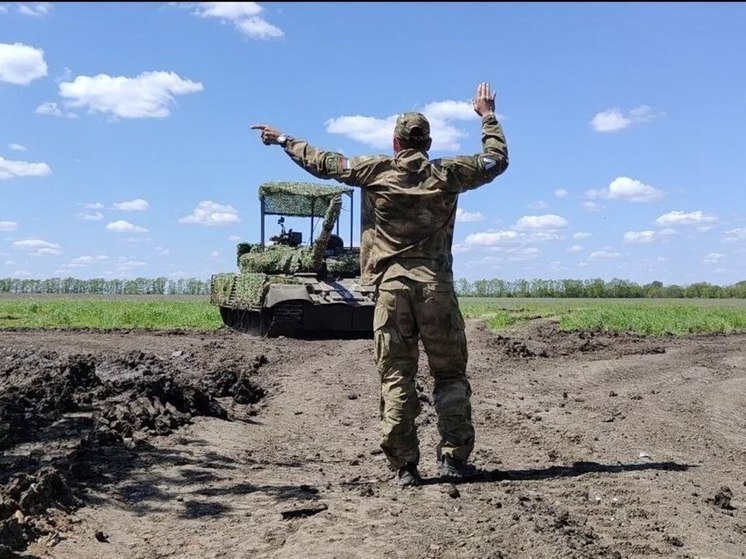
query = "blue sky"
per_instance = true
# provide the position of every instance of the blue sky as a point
(125, 147)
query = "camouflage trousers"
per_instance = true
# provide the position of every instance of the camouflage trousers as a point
(408, 311)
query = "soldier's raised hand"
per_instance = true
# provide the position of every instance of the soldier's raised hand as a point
(484, 99)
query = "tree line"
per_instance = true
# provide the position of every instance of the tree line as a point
(596, 288)
(592, 288)
(100, 286)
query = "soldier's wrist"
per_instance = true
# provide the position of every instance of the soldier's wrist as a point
(282, 140)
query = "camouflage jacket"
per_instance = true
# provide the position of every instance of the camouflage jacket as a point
(409, 202)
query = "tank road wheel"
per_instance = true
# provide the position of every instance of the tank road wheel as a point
(242, 320)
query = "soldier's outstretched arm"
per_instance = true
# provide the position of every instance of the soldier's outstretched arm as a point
(468, 172)
(353, 171)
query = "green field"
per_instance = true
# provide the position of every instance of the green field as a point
(123, 312)
(643, 316)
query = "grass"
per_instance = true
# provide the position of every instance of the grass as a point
(648, 316)
(106, 313)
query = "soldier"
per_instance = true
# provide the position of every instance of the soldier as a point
(407, 232)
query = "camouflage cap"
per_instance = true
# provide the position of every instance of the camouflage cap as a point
(412, 126)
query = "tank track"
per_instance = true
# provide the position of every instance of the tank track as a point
(286, 319)
(242, 320)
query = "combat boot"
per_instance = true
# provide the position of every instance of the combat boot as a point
(408, 476)
(455, 469)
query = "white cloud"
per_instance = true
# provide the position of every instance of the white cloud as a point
(81, 261)
(634, 190)
(37, 247)
(137, 205)
(259, 28)
(736, 235)
(560, 193)
(613, 120)
(603, 254)
(225, 10)
(378, 132)
(369, 130)
(539, 205)
(214, 256)
(662, 259)
(21, 64)
(592, 206)
(575, 248)
(163, 251)
(10, 263)
(713, 258)
(610, 121)
(3, 9)
(234, 238)
(52, 109)
(92, 216)
(20, 274)
(208, 212)
(67, 73)
(34, 9)
(93, 206)
(625, 188)
(124, 263)
(548, 222)
(543, 236)
(244, 15)
(121, 226)
(8, 226)
(16, 147)
(11, 169)
(639, 236)
(490, 238)
(48, 108)
(580, 235)
(675, 218)
(463, 216)
(45, 252)
(149, 95)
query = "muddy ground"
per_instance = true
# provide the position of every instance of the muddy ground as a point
(145, 446)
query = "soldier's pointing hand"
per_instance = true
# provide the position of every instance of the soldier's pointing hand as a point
(269, 135)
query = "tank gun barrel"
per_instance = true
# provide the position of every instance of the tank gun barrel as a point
(319, 245)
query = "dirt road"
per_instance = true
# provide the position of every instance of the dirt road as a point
(142, 446)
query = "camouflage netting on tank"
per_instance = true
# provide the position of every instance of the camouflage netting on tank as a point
(237, 290)
(277, 260)
(222, 286)
(300, 199)
(244, 248)
(345, 264)
(249, 290)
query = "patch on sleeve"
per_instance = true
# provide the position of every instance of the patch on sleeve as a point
(335, 163)
(487, 162)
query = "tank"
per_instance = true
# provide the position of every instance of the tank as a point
(293, 289)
